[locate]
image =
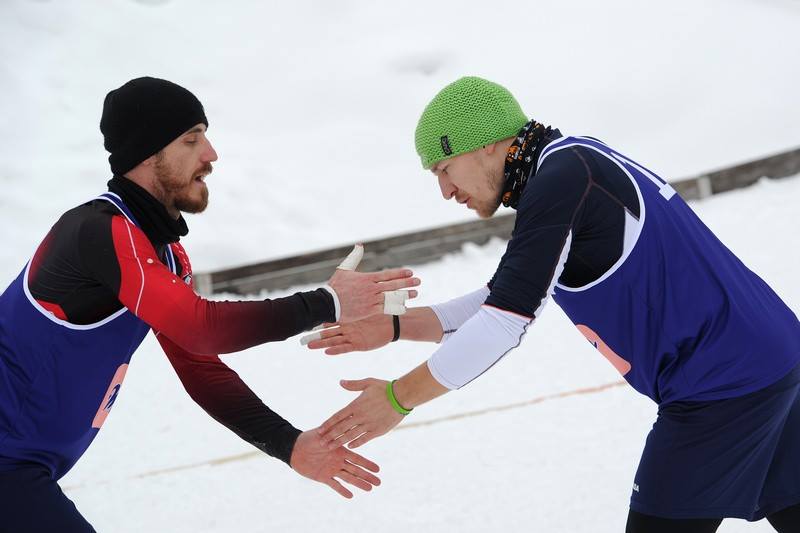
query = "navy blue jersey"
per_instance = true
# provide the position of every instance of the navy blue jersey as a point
(678, 314)
(52, 405)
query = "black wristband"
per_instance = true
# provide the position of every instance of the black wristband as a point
(396, 325)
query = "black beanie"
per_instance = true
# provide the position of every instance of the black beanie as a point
(143, 116)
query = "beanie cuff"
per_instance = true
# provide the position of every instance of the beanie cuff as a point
(428, 164)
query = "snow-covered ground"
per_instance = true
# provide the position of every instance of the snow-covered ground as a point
(312, 106)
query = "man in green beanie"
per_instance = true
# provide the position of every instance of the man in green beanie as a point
(642, 278)
(463, 137)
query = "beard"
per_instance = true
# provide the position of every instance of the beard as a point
(488, 208)
(181, 192)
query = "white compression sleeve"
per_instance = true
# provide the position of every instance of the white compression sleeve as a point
(480, 343)
(453, 313)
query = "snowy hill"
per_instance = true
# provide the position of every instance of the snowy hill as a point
(312, 104)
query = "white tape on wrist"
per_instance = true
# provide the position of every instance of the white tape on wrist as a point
(394, 302)
(353, 259)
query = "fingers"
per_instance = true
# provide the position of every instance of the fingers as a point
(330, 438)
(339, 350)
(390, 274)
(355, 472)
(315, 334)
(360, 460)
(356, 481)
(354, 476)
(346, 437)
(335, 485)
(355, 384)
(310, 338)
(323, 331)
(363, 439)
(353, 259)
(327, 343)
(333, 421)
(396, 284)
(370, 478)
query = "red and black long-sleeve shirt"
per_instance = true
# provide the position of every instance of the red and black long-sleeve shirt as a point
(94, 262)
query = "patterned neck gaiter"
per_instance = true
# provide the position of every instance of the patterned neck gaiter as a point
(521, 159)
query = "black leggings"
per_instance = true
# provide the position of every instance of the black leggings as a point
(784, 521)
(31, 502)
(642, 523)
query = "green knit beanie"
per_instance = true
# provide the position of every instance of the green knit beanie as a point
(466, 115)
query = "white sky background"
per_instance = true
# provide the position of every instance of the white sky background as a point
(312, 107)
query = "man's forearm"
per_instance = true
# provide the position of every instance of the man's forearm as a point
(227, 399)
(418, 387)
(420, 324)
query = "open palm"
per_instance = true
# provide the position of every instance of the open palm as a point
(312, 459)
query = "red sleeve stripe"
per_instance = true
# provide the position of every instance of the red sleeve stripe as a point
(141, 270)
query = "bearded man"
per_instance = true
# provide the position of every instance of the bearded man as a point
(112, 269)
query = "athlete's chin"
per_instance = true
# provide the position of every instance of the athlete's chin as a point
(486, 211)
(194, 203)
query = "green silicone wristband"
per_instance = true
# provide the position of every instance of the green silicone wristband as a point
(392, 400)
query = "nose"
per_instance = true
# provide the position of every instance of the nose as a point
(209, 154)
(446, 186)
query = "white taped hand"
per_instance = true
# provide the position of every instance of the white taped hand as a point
(394, 302)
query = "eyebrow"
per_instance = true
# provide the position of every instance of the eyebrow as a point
(196, 129)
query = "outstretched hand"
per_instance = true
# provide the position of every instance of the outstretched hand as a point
(363, 294)
(368, 416)
(315, 460)
(360, 336)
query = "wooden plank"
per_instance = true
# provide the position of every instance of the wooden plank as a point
(777, 166)
(409, 248)
(423, 246)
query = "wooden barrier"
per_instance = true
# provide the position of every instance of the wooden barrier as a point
(429, 245)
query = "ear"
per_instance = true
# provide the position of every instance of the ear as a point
(490, 149)
(153, 159)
